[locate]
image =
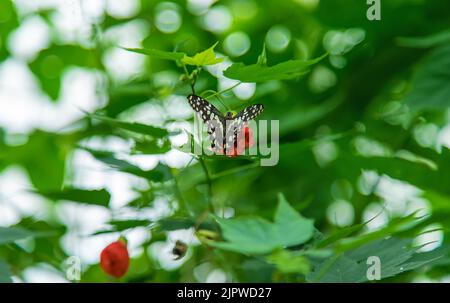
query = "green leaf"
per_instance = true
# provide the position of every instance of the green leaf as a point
(11, 234)
(5, 273)
(121, 225)
(207, 57)
(426, 41)
(51, 63)
(140, 128)
(151, 147)
(97, 197)
(254, 235)
(157, 53)
(160, 173)
(430, 89)
(260, 73)
(289, 262)
(396, 225)
(27, 155)
(396, 256)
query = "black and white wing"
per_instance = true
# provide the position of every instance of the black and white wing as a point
(250, 112)
(212, 118)
(235, 126)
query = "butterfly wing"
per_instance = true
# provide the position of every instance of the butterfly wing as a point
(212, 118)
(250, 112)
(235, 126)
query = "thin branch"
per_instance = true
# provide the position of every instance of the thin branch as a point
(225, 90)
(209, 183)
(191, 82)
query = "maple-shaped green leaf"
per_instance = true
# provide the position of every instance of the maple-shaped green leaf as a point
(260, 72)
(255, 235)
(207, 57)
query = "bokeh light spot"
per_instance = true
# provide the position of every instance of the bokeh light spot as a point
(278, 38)
(167, 17)
(237, 44)
(218, 19)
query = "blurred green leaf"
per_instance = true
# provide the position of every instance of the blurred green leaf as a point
(51, 147)
(11, 234)
(121, 225)
(97, 197)
(429, 86)
(260, 73)
(140, 128)
(5, 273)
(289, 262)
(351, 267)
(157, 53)
(160, 173)
(426, 41)
(51, 62)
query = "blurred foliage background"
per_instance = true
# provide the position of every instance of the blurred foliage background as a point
(364, 141)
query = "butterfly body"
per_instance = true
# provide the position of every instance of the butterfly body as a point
(223, 129)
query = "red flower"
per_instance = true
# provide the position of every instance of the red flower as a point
(245, 141)
(114, 259)
(249, 141)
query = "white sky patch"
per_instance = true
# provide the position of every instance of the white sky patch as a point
(177, 107)
(217, 69)
(92, 174)
(88, 249)
(245, 91)
(123, 8)
(396, 194)
(199, 7)
(216, 276)
(21, 101)
(182, 137)
(162, 253)
(122, 64)
(430, 238)
(136, 237)
(376, 216)
(85, 218)
(93, 9)
(147, 113)
(128, 34)
(8, 214)
(43, 273)
(177, 159)
(218, 19)
(31, 109)
(71, 24)
(341, 213)
(444, 137)
(32, 36)
(16, 197)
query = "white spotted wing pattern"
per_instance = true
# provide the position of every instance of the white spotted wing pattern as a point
(222, 130)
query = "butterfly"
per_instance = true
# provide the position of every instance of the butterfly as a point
(223, 130)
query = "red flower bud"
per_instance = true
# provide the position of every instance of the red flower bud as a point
(114, 259)
(245, 141)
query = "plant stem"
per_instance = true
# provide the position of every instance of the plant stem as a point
(209, 183)
(225, 90)
(191, 82)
